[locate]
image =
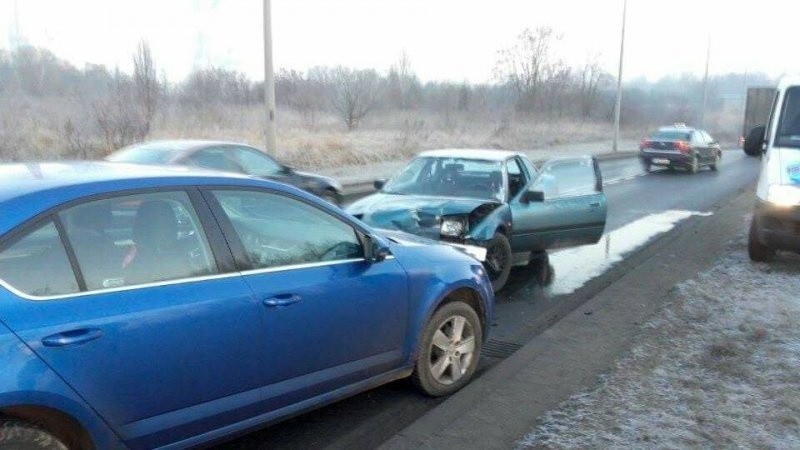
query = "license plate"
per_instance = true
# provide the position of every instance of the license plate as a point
(660, 161)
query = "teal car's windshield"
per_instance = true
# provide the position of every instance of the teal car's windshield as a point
(451, 177)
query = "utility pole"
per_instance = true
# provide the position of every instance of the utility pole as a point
(705, 85)
(617, 109)
(269, 81)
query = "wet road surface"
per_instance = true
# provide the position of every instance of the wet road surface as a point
(641, 207)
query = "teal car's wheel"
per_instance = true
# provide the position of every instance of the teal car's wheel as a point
(498, 261)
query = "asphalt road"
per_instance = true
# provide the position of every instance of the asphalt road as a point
(642, 208)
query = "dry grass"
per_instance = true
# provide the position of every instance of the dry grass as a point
(717, 368)
(384, 136)
(36, 129)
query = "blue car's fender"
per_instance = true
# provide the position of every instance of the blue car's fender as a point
(435, 272)
(27, 381)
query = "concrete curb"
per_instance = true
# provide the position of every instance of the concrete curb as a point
(499, 408)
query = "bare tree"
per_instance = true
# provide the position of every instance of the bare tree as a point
(147, 88)
(523, 66)
(590, 78)
(355, 94)
(402, 83)
(117, 116)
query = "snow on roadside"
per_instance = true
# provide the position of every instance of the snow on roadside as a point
(719, 366)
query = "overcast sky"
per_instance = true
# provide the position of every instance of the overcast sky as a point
(445, 39)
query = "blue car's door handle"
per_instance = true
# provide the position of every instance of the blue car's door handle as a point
(594, 205)
(282, 300)
(72, 337)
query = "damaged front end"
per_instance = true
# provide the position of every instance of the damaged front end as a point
(466, 224)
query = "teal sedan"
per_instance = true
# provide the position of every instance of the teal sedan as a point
(493, 199)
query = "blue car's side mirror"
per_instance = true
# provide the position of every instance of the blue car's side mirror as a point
(378, 184)
(374, 250)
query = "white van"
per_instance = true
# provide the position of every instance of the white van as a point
(776, 219)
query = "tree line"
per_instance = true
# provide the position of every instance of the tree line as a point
(529, 81)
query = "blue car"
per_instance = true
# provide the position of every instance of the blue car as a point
(145, 307)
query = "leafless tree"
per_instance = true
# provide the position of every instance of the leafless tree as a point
(147, 88)
(590, 79)
(355, 94)
(523, 65)
(118, 119)
(303, 92)
(402, 83)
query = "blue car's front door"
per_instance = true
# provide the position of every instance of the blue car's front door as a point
(331, 317)
(162, 343)
(571, 212)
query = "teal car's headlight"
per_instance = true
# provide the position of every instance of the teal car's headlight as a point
(453, 227)
(783, 195)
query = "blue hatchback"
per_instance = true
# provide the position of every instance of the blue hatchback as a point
(145, 307)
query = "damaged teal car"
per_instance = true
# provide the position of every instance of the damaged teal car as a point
(497, 200)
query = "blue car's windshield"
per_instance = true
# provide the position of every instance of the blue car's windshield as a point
(452, 177)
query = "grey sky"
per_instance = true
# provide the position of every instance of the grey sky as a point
(445, 39)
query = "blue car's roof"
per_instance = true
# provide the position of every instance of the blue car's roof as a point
(27, 189)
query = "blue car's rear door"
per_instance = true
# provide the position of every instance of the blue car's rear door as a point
(165, 341)
(572, 212)
(331, 317)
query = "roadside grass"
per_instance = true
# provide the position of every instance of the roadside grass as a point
(719, 366)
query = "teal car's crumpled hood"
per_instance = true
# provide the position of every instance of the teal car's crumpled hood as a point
(417, 214)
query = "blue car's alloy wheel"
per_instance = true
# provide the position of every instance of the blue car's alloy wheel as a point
(449, 350)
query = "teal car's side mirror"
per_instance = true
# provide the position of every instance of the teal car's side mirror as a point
(378, 184)
(533, 196)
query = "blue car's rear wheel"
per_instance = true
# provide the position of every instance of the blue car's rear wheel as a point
(449, 350)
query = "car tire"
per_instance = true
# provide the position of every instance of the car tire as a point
(647, 167)
(498, 260)
(694, 166)
(715, 165)
(18, 435)
(757, 251)
(752, 136)
(441, 346)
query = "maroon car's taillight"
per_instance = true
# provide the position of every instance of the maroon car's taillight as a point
(644, 144)
(682, 146)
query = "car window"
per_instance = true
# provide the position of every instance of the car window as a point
(697, 138)
(707, 137)
(517, 178)
(135, 239)
(37, 264)
(451, 177)
(214, 159)
(256, 163)
(670, 135)
(279, 231)
(569, 178)
(772, 111)
(789, 126)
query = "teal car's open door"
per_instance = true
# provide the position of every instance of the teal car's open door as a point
(564, 205)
